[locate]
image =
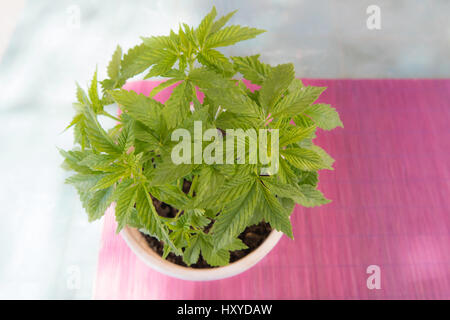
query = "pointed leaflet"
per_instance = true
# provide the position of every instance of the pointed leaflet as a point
(215, 60)
(252, 69)
(139, 107)
(114, 64)
(93, 95)
(214, 256)
(177, 107)
(303, 158)
(98, 203)
(324, 116)
(296, 102)
(204, 28)
(230, 35)
(235, 217)
(275, 85)
(273, 212)
(291, 134)
(137, 60)
(150, 219)
(97, 136)
(126, 194)
(219, 23)
(305, 195)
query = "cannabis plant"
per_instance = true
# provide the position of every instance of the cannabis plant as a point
(132, 164)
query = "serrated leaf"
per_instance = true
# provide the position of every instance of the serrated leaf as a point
(276, 85)
(236, 244)
(168, 172)
(98, 162)
(162, 86)
(98, 203)
(126, 194)
(303, 159)
(163, 65)
(219, 23)
(235, 217)
(109, 179)
(273, 212)
(137, 60)
(139, 107)
(230, 35)
(93, 95)
(204, 28)
(214, 257)
(324, 116)
(114, 64)
(292, 134)
(73, 160)
(305, 194)
(252, 69)
(296, 102)
(97, 136)
(177, 107)
(192, 252)
(150, 219)
(327, 160)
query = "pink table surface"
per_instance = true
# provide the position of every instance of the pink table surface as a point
(391, 208)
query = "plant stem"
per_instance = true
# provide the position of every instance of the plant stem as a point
(193, 186)
(106, 114)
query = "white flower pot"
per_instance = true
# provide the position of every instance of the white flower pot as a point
(139, 246)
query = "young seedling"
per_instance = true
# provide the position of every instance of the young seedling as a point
(235, 180)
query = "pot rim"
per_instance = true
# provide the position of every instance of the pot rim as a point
(137, 243)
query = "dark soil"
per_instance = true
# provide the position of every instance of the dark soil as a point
(252, 236)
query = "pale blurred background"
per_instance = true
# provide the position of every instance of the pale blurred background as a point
(45, 46)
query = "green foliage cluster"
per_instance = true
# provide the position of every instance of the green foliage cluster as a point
(130, 163)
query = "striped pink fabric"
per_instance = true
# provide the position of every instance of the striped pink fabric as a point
(391, 208)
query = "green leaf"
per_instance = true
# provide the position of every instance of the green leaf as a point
(296, 102)
(305, 194)
(162, 86)
(151, 220)
(220, 23)
(73, 160)
(216, 60)
(324, 116)
(177, 107)
(303, 159)
(168, 172)
(114, 64)
(126, 194)
(98, 162)
(230, 35)
(327, 160)
(276, 85)
(163, 65)
(192, 252)
(273, 212)
(235, 217)
(213, 256)
(93, 95)
(139, 107)
(204, 28)
(292, 134)
(138, 59)
(98, 203)
(252, 69)
(109, 179)
(236, 244)
(97, 136)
